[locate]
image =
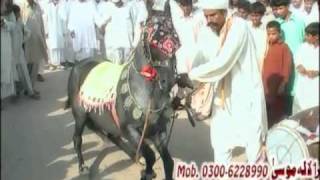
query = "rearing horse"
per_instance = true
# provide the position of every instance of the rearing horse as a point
(139, 99)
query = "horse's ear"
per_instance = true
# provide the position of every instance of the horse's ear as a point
(167, 10)
(149, 4)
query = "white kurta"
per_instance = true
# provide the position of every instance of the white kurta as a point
(297, 11)
(21, 35)
(139, 15)
(120, 23)
(259, 35)
(44, 8)
(268, 16)
(68, 52)
(82, 23)
(313, 16)
(35, 47)
(307, 89)
(187, 29)
(56, 33)
(100, 35)
(241, 120)
(7, 64)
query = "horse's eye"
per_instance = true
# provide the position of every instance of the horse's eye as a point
(163, 81)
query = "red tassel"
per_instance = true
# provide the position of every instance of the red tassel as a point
(148, 72)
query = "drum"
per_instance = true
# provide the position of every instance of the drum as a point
(294, 139)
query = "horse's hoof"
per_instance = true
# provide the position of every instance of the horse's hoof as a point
(83, 170)
(145, 176)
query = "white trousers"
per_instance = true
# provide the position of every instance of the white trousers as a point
(84, 54)
(56, 56)
(118, 55)
(228, 132)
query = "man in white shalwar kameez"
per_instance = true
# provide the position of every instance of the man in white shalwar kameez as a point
(187, 25)
(307, 65)
(7, 61)
(258, 31)
(188, 21)
(35, 46)
(118, 22)
(20, 35)
(297, 7)
(44, 9)
(99, 4)
(68, 52)
(81, 24)
(239, 114)
(310, 12)
(56, 33)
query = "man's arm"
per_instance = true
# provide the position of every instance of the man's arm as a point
(8, 25)
(286, 69)
(26, 33)
(101, 20)
(298, 56)
(218, 67)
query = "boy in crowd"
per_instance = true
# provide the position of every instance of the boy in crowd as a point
(307, 65)
(293, 34)
(258, 30)
(275, 73)
(243, 9)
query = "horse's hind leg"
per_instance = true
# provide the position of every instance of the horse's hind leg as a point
(77, 139)
(122, 145)
(115, 139)
(147, 153)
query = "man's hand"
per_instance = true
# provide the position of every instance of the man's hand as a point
(2, 22)
(184, 81)
(312, 74)
(301, 70)
(176, 103)
(281, 88)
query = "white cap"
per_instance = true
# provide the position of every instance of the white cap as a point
(115, 1)
(213, 4)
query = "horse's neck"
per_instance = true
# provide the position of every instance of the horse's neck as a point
(141, 88)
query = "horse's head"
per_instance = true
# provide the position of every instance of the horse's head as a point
(160, 42)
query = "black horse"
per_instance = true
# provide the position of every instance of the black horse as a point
(138, 100)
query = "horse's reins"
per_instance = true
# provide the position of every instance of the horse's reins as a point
(146, 121)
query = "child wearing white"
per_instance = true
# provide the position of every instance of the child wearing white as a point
(307, 66)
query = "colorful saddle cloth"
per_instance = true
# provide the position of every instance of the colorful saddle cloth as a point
(99, 90)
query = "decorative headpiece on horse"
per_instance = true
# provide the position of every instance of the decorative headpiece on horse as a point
(160, 34)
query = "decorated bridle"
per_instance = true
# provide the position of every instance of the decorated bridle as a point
(158, 34)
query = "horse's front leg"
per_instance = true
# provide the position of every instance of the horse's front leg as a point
(161, 145)
(148, 154)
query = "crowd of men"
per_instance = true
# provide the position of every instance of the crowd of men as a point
(258, 58)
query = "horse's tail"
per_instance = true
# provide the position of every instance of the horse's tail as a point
(67, 103)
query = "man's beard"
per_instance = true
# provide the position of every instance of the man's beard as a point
(213, 26)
